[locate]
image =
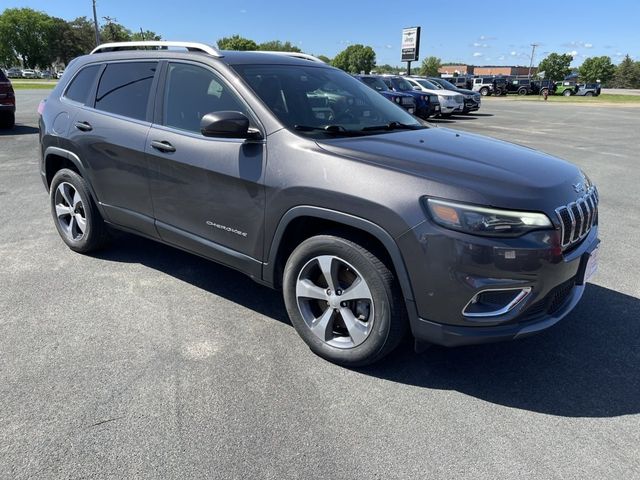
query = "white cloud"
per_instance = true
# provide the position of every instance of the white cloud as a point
(588, 45)
(501, 57)
(477, 54)
(481, 45)
(573, 53)
(388, 46)
(513, 54)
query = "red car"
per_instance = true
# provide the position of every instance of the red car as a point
(7, 102)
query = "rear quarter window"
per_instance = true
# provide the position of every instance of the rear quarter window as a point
(79, 88)
(124, 88)
(3, 78)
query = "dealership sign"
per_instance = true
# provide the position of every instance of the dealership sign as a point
(410, 44)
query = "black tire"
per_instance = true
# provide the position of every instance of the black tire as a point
(588, 94)
(7, 120)
(389, 315)
(567, 93)
(446, 115)
(523, 91)
(484, 91)
(95, 234)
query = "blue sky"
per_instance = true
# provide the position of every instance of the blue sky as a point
(467, 34)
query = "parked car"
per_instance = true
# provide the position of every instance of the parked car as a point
(472, 100)
(490, 85)
(427, 105)
(29, 73)
(14, 73)
(7, 102)
(46, 74)
(405, 100)
(450, 102)
(521, 86)
(59, 74)
(460, 81)
(566, 88)
(542, 86)
(589, 90)
(372, 223)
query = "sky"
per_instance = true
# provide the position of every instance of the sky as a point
(465, 33)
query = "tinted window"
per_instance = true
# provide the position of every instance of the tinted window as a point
(191, 93)
(124, 88)
(2, 77)
(81, 85)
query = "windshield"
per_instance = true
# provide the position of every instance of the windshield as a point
(402, 85)
(444, 84)
(375, 83)
(427, 84)
(320, 101)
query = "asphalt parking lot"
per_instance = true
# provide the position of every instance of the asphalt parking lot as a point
(147, 362)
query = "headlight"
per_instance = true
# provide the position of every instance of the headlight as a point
(397, 99)
(483, 220)
(425, 98)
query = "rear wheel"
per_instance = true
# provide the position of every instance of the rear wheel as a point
(75, 214)
(567, 93)
(588, 94)
(522, 91)
(343, 301)
(484, 91)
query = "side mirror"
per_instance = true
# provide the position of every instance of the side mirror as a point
(228, 124)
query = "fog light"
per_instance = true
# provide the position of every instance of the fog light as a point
(495, 302)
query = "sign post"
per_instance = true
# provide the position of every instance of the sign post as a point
(410, 46)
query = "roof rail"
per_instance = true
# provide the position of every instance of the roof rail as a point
(304, 56)
(190, 46)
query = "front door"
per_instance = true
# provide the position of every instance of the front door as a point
(208, 193)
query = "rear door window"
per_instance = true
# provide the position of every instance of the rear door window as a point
(79, 88)
(125, 87)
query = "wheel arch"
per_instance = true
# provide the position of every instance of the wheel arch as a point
(302, 222)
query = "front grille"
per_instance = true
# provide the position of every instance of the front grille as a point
(577, 218)
(407, 101)
(552, 302)
(459, 99)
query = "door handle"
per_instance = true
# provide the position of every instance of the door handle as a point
(163, 146)
(84, 126)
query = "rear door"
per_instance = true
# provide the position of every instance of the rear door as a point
(208, 193)
(110, 133)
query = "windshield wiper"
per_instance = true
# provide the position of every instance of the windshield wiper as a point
(393, 126)
(331, 129)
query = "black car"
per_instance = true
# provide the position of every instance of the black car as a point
(520, 86)
(7, 102)
(373, 223)
(472, 100)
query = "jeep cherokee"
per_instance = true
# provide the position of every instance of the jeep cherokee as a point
(371, 221)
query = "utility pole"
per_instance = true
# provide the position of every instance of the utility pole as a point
(141, 34)
(95, 24)
(533, 50)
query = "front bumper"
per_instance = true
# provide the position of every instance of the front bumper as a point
(456, 267)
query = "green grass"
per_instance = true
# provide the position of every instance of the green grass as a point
(33, 86)
(604, 98)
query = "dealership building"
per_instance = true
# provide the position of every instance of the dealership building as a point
(455, 70)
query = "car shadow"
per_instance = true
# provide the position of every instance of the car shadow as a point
(18, 130)
(588, 365)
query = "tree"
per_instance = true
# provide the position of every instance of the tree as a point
(355, 59)
(627, 74)
(236, 42)
(114, 32)
(278, 46)
(23, 34)
(146, 35)
(324, 58)
(430, 66)
(386, 68)
(556, 66)
(597, 68)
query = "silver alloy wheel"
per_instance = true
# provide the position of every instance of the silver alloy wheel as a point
(335, 301)
(70, 211)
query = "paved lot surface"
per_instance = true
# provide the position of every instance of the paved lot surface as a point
(147, 362)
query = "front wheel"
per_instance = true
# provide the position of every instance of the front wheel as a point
(484, 91)
(567, 93)
(523, 91)
(343, 301)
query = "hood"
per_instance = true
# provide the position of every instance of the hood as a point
(467, 167)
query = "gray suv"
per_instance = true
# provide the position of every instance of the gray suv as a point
(373, 223)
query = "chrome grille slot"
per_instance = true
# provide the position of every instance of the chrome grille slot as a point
(577, 218)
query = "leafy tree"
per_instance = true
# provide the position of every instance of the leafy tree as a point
(146, 35)
(278, 46)
(23, 34)
(556, 66)
(324, 58)
(597, 68)
(627, 74)
(83, 36)
(430, 66)
(114, 32)
(355, 59)
(386, 68)
(236, 42)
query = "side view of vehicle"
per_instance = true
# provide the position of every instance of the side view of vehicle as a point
(427, 105)
(7, 102)
(372, 223)
(566, 89)
(589, 90)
